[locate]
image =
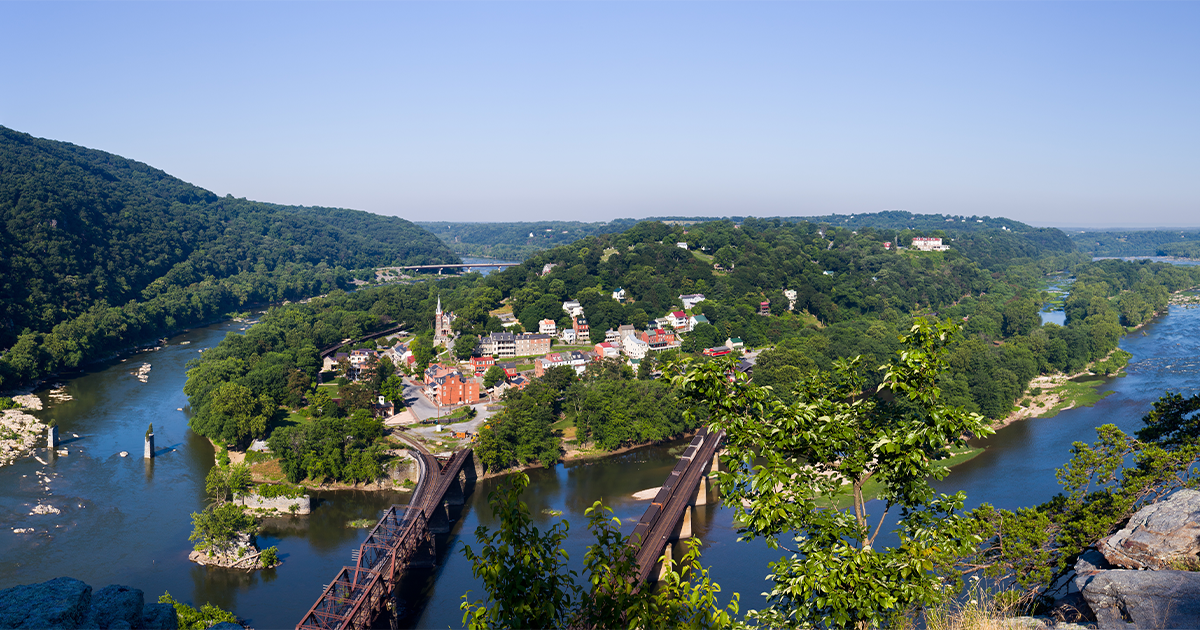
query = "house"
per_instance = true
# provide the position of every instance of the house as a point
(498, 345)
(509, 367)
(718, 351)
(581, 329)
(735, 343)
(612, 336)
(635, 348)
(546, 267)
(678, 320)
(607, 350)
(480, 365)
(659, 339)
(361, 357)
(383, 408)
(928, 244)
(436, 371)
(790, 294)
(567, 335)
(619, 294)
(696, 320)
(547, 327)
(624, 331)
(519, 382)
(887, 245)
(453, 389)
(575, 359)
(532, 343)
(681, 245)
(331, 362)
(662, 322)
(691, 300)
(764, 307)
(573, 308)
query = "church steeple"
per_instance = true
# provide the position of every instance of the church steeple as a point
(439, 306)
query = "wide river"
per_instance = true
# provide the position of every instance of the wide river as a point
(126, 521)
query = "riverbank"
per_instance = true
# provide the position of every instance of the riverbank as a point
(20, 434)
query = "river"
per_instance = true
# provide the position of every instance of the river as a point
(125, 521)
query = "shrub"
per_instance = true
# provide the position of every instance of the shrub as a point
(269, 556)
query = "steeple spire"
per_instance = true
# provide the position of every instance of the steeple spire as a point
(439, 306)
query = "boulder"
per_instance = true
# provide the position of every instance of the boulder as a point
(1147, 599)
(59, 603)
(68, 603)
(160, 617)
(1158, 536)
(116, 606)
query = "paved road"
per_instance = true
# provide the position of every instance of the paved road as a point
(415, 400)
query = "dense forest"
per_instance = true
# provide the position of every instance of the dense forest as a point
(98, 251)
(519, 240)
(1182, 243)
(853, 297)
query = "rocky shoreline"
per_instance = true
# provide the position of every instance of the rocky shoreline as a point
(20, 434)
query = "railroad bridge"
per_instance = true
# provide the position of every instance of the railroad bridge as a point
(669, 516)
(402, 539)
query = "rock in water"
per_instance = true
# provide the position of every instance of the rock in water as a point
(1148, 599)
(1159, 535)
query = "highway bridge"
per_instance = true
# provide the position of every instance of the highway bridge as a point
(401, 540)
(669, 516)
(439, 268)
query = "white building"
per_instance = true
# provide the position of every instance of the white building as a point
(691, 300)
(619, 294)
(790, 294)
(681, 245)
(568, 335)
(573, 308)
(928, 244)
(547, 327)
(634, 348)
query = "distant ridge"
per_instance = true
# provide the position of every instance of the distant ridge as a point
(82, 229)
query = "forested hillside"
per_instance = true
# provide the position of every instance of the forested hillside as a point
(97, 251)
(1182, 243)
(519, 240)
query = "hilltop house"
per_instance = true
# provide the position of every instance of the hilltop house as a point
(691, 300)
(678, 320)
(928, 244)
(573, 308)
(619, 295)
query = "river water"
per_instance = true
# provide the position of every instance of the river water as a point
(126, 521)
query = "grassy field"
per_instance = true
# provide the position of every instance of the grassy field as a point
(1081, 392)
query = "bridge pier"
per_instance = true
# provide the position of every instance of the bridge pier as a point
(684, 528)
(664, 567)
(701, 497)
(454, 494)
(439, 520)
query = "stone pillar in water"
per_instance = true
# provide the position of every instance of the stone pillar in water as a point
(52, 437)
(149, 452)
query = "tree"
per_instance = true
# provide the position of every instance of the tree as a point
(191, 619)
(217, 529)
(528, 585)
(787, 460)
(229, 481)
(494, 375)
(464, 346)
(393, 390)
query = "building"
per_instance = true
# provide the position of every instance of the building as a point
(612, 336)
(547, 327)
(532, 343)
(331, 362)
(764, 307)
(501, 345)
(437, 370)
(635, 348)
(606, 350)
(691, 300)
(659, 339)
(718, 351)
(581, 329)
(575, 359)
(441, 324)
(625, 331)
(480, 365)
(546, 268)
(619, 294)
(887, 245)
(696, 320)
(678, 320)
(791, 295)
(928, 244)
(735, 343)
(361, 357)
(573, 308)
(453, 389)
(568, 336)
(681, 245)
(509, 367)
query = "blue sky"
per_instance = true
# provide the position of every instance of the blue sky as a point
(1067, 114)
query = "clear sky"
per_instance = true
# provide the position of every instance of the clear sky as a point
(1068, 114)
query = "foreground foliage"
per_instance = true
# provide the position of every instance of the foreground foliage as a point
(192, 619)
(528, 583)
(784, 457)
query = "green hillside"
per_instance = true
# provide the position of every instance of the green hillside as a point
(1183, 243)
(85, 234)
